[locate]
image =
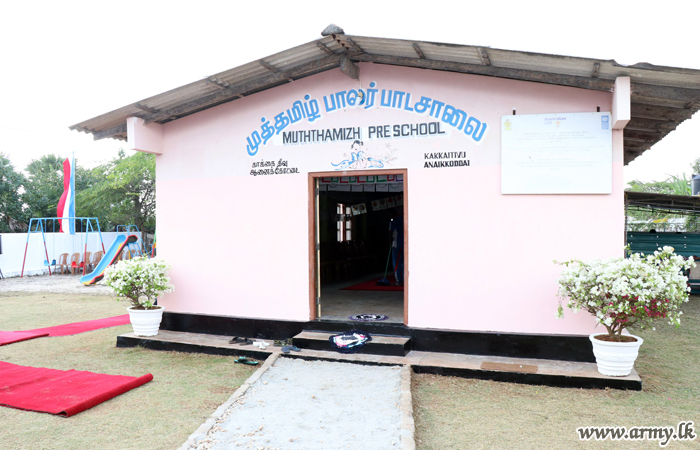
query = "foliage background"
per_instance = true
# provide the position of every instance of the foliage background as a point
(673, 185)
(123, 192)
(120, 192)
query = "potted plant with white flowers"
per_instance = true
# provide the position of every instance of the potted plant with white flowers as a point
(141, 280)
(625, 293)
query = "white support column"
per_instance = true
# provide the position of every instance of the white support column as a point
(622, 103)
(144, 138)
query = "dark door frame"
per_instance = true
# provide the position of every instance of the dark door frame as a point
(313, 224)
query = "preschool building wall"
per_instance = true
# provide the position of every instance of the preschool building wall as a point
(234, 201)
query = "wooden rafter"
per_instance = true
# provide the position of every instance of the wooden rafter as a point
(148, 109)
(418, 50)
(631, 135)
(633, 145)
(273, 69)
(218, 82)
(81, 129)
(268, 66)
(325, 49)
(642, 136)
(495, 71)
(349, 69)
(667, 93)
(654, 112)
(110, 132)
(641, 124)
(239, 90)
(352, 44)
(484, 56)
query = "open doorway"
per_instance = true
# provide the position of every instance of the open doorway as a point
(359, 250)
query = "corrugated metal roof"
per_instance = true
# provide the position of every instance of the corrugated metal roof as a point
(662, 97)
(666, 202)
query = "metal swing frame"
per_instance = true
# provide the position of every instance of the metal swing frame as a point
(38, 225)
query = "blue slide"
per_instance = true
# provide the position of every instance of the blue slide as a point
(108, 259)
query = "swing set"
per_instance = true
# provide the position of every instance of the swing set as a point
(39, 225)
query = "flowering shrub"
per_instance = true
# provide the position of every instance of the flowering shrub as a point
(623, 293)
(137, 278)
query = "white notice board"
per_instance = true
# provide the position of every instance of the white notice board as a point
(569, 153)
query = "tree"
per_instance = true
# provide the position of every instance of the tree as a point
(44, 185)
(673, 185)
(12, 216)
(125, 193)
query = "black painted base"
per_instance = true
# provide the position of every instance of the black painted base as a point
(540, 346)
(510, 377)
(154, 344)
(533, 378)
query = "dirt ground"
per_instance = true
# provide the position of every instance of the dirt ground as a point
(62, 284)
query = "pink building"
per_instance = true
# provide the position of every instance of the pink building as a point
(495, 163)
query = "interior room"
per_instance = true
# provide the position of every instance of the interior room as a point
(360, 249)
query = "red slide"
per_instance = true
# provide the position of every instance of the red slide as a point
(108, 259)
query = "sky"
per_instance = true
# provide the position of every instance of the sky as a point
(65, 62)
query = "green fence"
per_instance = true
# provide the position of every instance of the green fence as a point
(686, 244)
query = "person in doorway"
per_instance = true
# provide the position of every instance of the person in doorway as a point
(396, 230)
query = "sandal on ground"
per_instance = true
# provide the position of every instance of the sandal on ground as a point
(244, 341)
(287, 348)
(244, 360)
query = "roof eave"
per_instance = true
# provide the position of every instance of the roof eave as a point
(662, 97)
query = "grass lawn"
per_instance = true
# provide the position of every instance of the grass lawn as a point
(450, 413)
(456, 413)
(185, 391)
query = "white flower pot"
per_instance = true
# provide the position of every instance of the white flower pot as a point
(615, 359)
(145, 322)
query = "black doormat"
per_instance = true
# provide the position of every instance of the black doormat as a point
(350, 342)
(368, 317)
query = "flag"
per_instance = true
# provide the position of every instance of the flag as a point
(66, 205)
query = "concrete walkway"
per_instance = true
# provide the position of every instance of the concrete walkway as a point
(294, 404)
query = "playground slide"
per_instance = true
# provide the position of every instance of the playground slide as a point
(108, 259)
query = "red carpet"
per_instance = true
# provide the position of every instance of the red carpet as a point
(82, 327)
(62, 392)
(371, 285)
(8, 337)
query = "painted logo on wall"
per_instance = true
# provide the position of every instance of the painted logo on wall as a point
(361, 159)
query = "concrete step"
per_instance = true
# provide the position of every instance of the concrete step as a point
(379, 345)
(513, 370)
